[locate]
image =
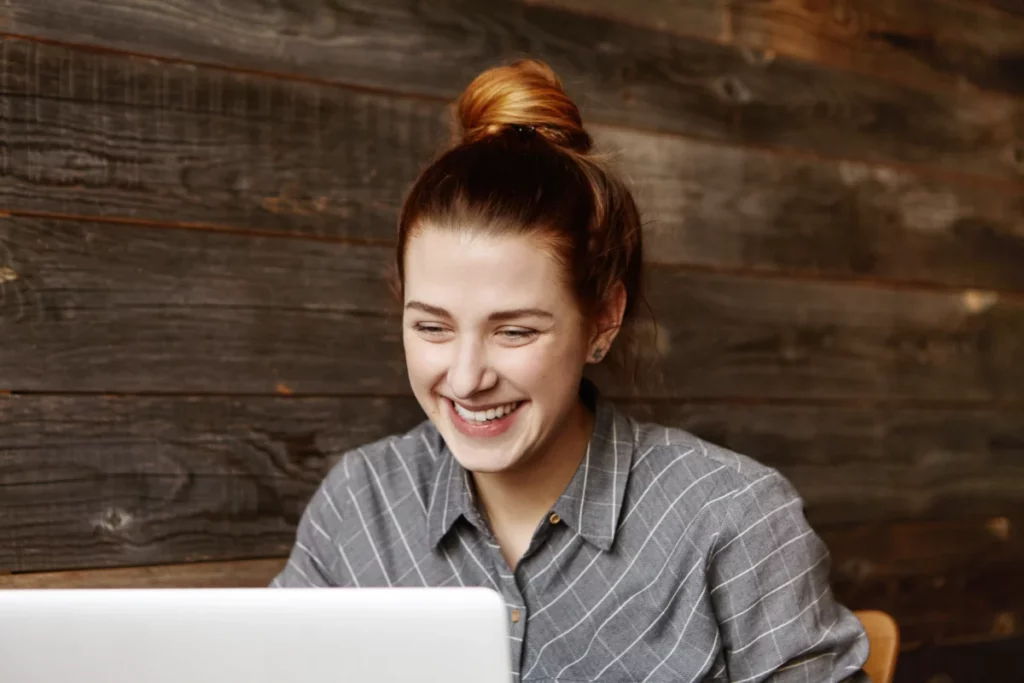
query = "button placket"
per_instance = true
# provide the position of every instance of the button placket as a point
(514, 601)
(517, 629)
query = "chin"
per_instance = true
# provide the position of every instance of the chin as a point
(480, 465)
(481, 458)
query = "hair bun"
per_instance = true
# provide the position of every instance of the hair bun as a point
(524, 95)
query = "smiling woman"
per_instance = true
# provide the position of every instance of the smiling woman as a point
(508, 332)
(624, 551)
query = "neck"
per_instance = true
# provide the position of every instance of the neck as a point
(524, 495)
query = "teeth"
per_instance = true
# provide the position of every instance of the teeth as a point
(485, 415)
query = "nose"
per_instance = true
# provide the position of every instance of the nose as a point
(469, 372)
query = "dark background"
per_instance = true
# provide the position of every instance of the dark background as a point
(197, 211)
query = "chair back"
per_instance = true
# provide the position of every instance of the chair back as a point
(884, 638)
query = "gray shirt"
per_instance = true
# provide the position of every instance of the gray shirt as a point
(665, 559)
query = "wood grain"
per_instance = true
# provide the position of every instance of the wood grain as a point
(91, 481)
(620, 74)
(944, 581)
(114, 308)
(726, 336)
(933, 43)
(127, 139)
(101, 307)
(138, 480)
(236, 574)
(107, 136)
(734, 208)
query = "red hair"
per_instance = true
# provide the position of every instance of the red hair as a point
(523, 165)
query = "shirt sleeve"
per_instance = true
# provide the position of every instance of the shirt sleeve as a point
(314, 557)
(768, 576)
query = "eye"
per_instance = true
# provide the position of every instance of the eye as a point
(430, 330)
(517, 334)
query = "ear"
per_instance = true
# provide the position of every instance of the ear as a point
(608, 323)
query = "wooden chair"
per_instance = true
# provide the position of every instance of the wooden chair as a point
(884, 638)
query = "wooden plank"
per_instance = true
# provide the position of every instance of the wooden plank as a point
(99, 135)
(94, 481)
(138, 480)
(621, 74)
(234, 574)
(100, 307)
(725, 336)
(944, 581)
(932, 43)
(734, 208)
(114, 308)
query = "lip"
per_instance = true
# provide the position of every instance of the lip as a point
(486, 430)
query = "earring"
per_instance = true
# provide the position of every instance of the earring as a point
(598, 353)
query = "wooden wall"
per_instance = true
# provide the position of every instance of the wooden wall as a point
(197, 203)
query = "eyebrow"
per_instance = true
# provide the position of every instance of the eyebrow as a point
(497, 316)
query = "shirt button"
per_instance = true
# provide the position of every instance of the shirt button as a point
(554, 518)
(515, 616)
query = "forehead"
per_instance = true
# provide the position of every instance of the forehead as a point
(449, 267)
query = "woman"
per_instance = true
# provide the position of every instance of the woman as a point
(624, 551)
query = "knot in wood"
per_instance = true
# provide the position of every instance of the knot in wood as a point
(114, 520)
(734, 90)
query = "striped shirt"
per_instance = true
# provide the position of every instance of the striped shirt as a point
(665, 559)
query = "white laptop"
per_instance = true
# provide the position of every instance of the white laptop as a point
(254, 635)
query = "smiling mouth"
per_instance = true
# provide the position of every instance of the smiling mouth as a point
(482, 417)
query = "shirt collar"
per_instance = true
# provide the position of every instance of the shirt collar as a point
(591, 503)
(450, 498)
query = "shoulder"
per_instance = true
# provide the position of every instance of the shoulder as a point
(658, 446)
(389, 468)
(683, 463)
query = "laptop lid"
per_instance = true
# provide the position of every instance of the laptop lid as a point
(254, 635)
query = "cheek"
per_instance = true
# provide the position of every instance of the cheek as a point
(543, 367)
(424, 360)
